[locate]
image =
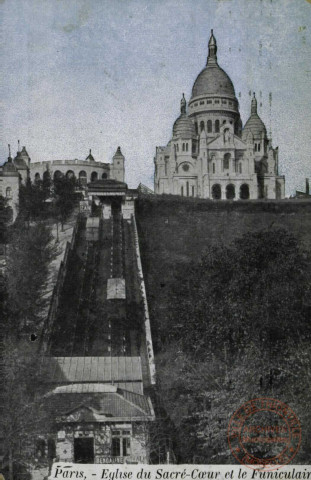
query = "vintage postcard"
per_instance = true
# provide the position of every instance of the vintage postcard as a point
(155, 239)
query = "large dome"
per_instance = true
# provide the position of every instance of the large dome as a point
(213, 81)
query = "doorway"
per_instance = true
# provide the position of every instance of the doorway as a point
(84, 450)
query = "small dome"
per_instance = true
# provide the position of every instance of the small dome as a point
(254, 124)
(213, 80)
(19, 162)
(183, 126)
(9, 167)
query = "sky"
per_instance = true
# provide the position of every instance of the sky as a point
(80, 74)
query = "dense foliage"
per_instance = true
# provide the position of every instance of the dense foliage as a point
(235, 319)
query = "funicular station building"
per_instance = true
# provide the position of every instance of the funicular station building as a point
(97, 354)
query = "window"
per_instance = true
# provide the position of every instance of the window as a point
(258, 147)
(187, 187)
(185, 167)
(183, 147)
(216, 192)
(216, 101)
(186, 147)
(104, 176)
(244, 191)
(224, 102)
(57, 174)
(202, 102)
(193, 190)
(255, 147)
(182, 191)
(195, 104)
(214, 168)
(121, 443)
(209, 101)
(230, 192)
(209, 126)
(37, 177)
(165, 169)
(9, 192)
(224, 121)
(217, 126)
(201, 126)
(240, 167)
(196, 128)
(82, 177)
(94, 176)
(69, 174)
(226, 161)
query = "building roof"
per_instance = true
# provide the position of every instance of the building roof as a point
(98, 406)
(62, 370)
(213, 80)
(107, 185)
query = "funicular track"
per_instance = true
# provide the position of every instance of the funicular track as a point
(87, 323)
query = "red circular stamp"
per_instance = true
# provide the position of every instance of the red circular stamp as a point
(264, 433)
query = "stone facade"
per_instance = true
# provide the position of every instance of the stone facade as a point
(210, 155)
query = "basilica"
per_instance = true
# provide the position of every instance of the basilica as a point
(210, 154)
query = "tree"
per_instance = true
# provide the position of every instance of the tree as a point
(24, 415)
(28, 256)
(65, 197)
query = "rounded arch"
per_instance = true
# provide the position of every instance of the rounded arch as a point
(46, 175)
(37, 177)
(104, 176)
(57, 174)
(82, 177)
(216, 191)
(94, 176)
(201, 126)
(244, 191)
(230, 191)
(216, 126)
(70, 174)
(209, 126)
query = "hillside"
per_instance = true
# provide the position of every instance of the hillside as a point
(176, 230)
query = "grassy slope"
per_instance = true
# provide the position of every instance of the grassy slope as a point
(176, 230)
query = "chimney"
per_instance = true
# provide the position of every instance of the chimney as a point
(307, 187)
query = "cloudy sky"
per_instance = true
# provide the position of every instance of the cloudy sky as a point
(80, 74)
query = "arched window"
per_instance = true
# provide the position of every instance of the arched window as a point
(70, 174)
(104, 176)
(57, 174)
(94, 176)
(193, 190)
(182, 191)
(224, 121)
(240, 167)
(258, 147)
(230, 192)
(82, 177)
(201, 126)
(37, 177)
(186, 147)
(244, 192)
(183, 147)
(214, 168)
(226, 161)
(209, 126)
(187, 187)
(165, 168)
(217, 126)
(255, 147)
(46, 175)
(8, 192)
(216, 191)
